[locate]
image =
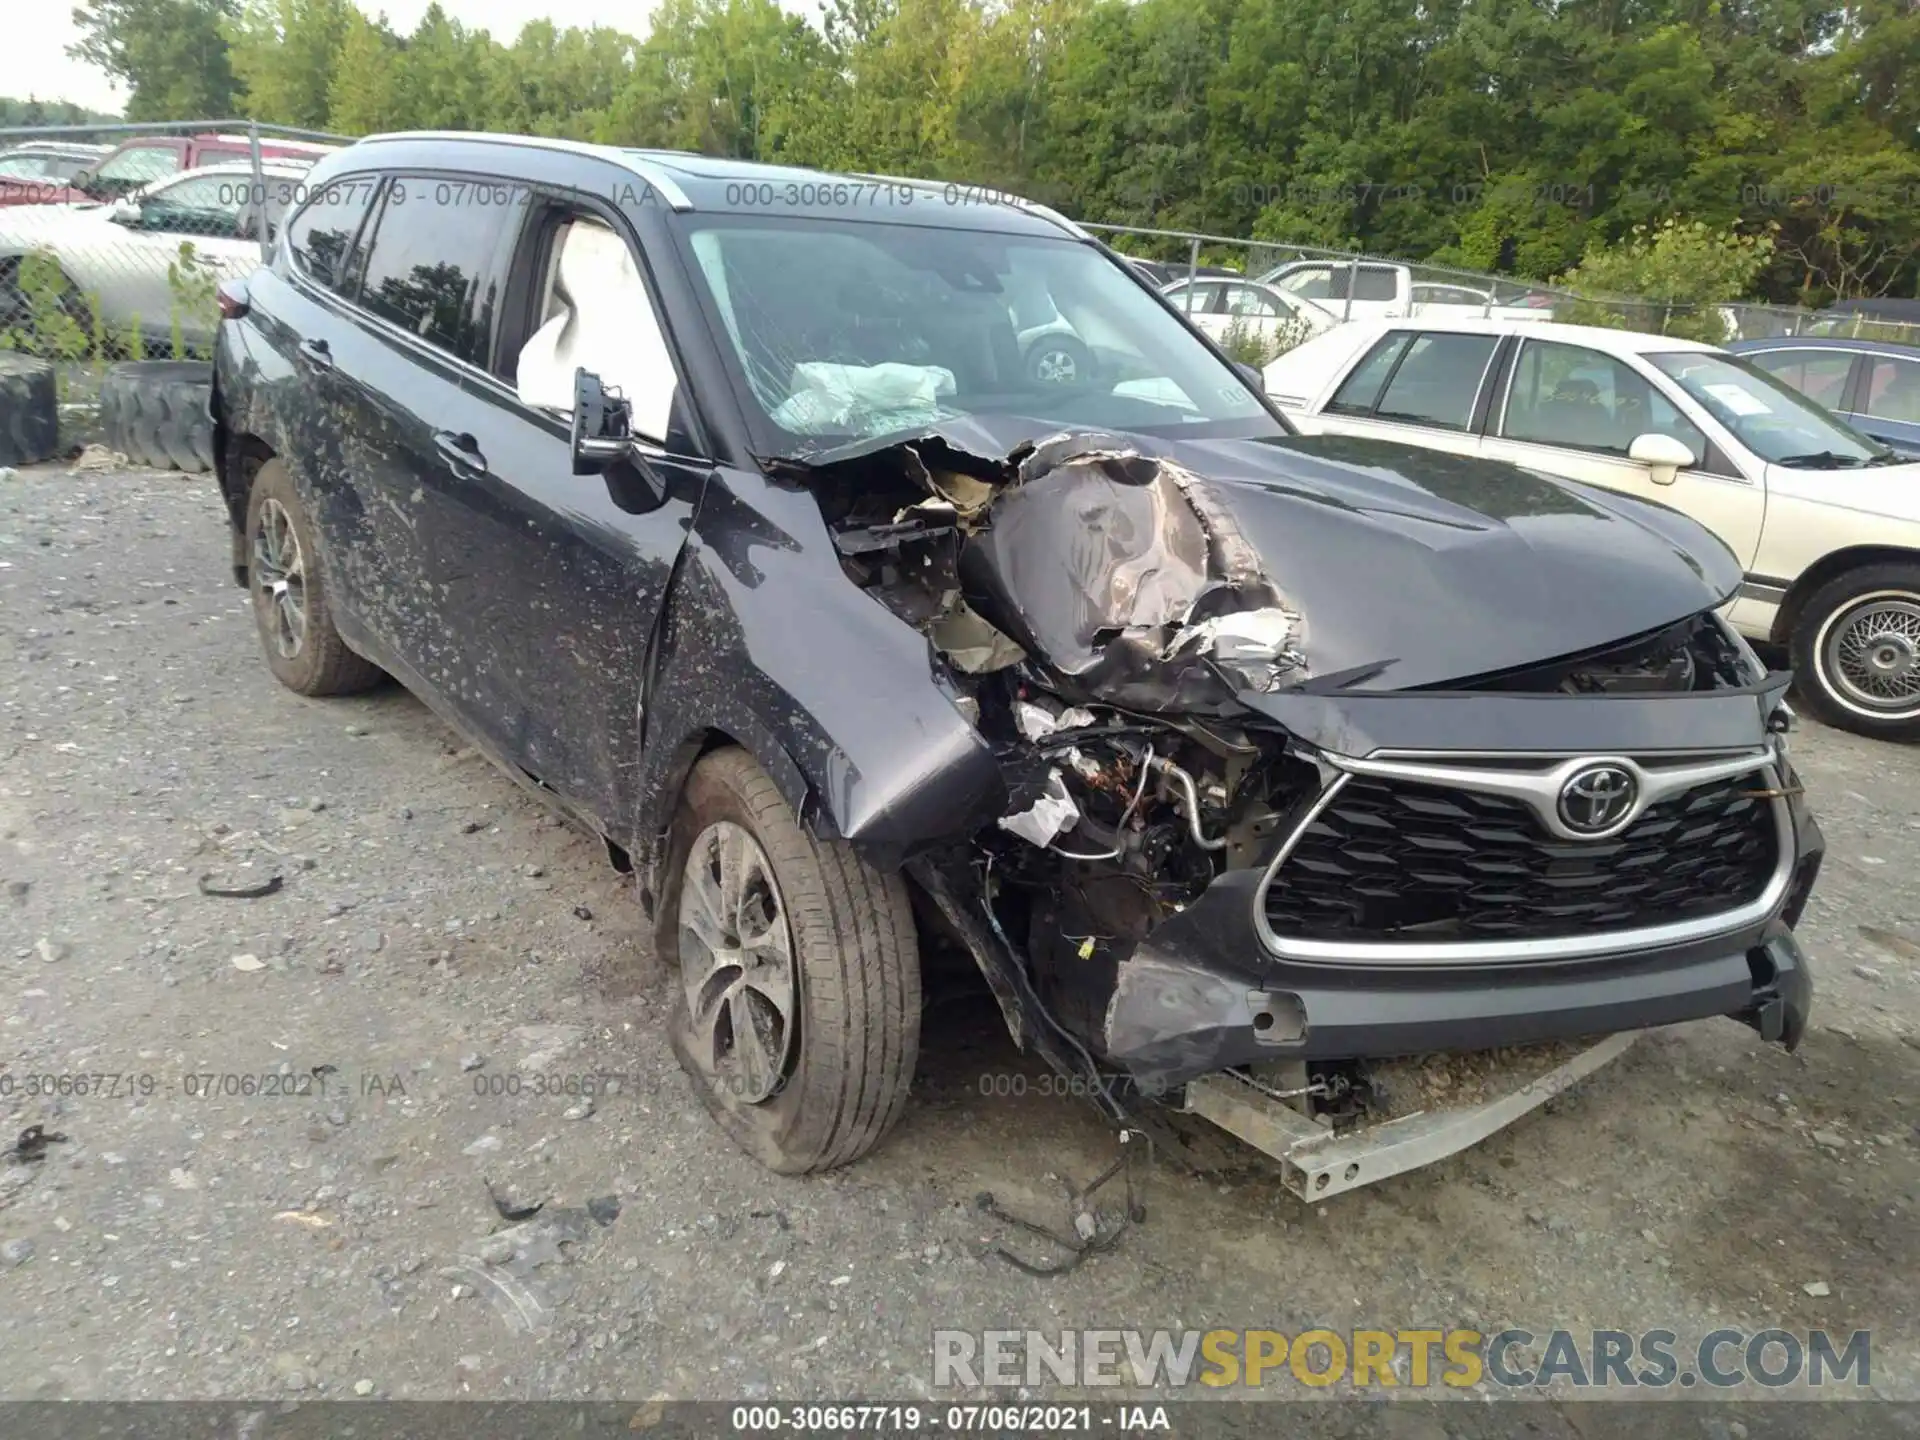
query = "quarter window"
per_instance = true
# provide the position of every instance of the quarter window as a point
(1570, 395)
(1437, 381)
(322, 234)
(433, 270)
(1820, 375)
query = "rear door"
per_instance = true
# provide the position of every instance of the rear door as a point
(398, 371)
(1574, 411)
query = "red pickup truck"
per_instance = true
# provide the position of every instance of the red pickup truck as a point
(147, 158)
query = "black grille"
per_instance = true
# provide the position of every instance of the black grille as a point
(1391, 860)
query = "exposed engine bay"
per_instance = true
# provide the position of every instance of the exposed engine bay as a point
(1098, 617)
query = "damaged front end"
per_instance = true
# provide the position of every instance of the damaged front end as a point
(1224, 859)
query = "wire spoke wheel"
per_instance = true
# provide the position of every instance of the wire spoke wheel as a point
(736, 958)
(1870, 653)
(279, 569)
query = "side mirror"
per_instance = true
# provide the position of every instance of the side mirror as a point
(602, 444)
(602, 425)
(125, 212)
(1251, 374)
(1663, 456)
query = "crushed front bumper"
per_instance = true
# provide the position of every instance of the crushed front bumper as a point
(1203, 992)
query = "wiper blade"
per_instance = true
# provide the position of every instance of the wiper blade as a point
(1890, 457)
(1821, 460)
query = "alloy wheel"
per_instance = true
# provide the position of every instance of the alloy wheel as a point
(280, 579)
(736, 961)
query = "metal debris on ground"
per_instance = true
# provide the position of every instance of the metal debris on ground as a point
(1088, 1237)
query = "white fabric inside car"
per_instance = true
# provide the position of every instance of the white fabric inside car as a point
(599, 319)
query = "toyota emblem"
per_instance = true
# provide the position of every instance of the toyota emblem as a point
(1596, 799)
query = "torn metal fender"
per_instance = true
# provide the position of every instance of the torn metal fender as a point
(837, 698)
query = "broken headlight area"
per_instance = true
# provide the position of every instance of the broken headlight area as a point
(1701, 652)
(1095, 612)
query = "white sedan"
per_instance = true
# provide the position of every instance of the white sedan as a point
(123, 261)
(1825, 521)
(1221, 305)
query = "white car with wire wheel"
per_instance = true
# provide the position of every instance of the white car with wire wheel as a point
(1825, 521)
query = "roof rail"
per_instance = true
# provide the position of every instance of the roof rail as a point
(1020, 202)
(635, 160)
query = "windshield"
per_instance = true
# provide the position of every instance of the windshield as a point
(851, 330)
(1777, 423)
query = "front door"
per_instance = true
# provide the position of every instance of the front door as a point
(545, 585)
(1574, 411)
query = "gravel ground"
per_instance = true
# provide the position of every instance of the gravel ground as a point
(440, 943)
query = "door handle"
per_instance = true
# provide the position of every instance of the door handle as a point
(316, 354)
(461, 452)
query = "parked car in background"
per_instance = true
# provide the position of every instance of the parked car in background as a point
(1874, 385)
(1824, 520)
(1165, 272)
(1856, 318)
(741, 530)
(41, 167)
(1381, 289)
(114, 260)
(139, 162)
(1265, 312)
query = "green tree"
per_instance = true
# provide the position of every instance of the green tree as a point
(284, 54)
(1682, 271)
(170, 54)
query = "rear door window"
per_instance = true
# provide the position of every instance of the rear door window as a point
(322, 235)
(436, 269)
(1818, 374)
(1437, 380)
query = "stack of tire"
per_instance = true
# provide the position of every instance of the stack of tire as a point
(29, 411)
(155, 413)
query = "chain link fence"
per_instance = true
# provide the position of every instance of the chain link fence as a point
(113, 238)
(1352, 284)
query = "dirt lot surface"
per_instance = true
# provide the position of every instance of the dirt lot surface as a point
(277, 1184)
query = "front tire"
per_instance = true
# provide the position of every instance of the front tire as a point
(797, 1015)
(1856, 649)
(291, 608)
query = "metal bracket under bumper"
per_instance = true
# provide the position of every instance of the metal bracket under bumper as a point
(1317, 1164)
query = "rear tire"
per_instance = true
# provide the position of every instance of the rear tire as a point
(289, 590)
(155, 413)
(1856, 651)
(798, 1012)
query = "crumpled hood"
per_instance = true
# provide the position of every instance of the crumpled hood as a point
(1452, 566)
(1414, 566)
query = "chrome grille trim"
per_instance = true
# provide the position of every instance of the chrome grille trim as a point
(1662, 774)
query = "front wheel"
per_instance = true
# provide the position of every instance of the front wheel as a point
(1856, 649)
(798, 1012)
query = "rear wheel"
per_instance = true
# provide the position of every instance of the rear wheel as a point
(1059, 360)
(798, 1010)
(290, 603)
(1856, 650)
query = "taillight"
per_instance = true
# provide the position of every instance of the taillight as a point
(232, 297)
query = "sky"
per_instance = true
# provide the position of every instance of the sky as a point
(37, 36)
